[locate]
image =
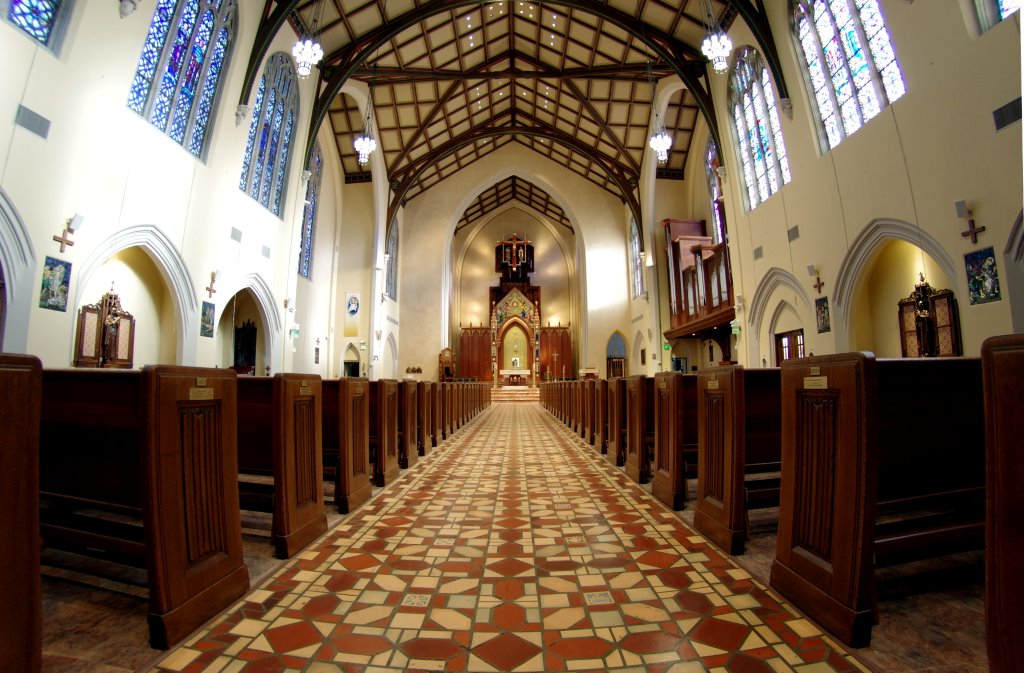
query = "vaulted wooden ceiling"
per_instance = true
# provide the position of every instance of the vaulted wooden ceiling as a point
(454, 80)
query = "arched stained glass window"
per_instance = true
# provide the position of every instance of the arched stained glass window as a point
(755, 121)
(636, 259)
(391, 249)
(42, 20)
(991, 12)
(309, 213)
(274, 116)
(852, 71)
(711, 165)
(176, 82)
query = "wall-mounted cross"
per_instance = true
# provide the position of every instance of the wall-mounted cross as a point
(972, 231)
(64, 239)
(213, 278)
(819, 284)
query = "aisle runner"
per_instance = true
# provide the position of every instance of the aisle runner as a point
(511, 550)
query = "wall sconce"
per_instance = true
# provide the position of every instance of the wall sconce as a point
(649, 261)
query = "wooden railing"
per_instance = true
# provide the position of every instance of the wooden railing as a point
(702, 291)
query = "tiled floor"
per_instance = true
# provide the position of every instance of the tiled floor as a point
(511, 550)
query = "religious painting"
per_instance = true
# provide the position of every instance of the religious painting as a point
(982, 276)
(351, 314)
(53, 293)
(206, 321)
(821, 313)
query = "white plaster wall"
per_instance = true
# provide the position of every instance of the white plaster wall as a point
(106, 162)
(429, 222)
(356, 250)
(935, 145)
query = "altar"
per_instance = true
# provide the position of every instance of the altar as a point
(514, 377)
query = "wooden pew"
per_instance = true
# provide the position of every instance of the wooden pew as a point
(20, 392)
(616, 453)
(739, 416)
(675, 437)
(882, 462)
(1003, 374)
(346, 441)
(140, 467)
(437, 414)
(588, 411)
(384, 431)
(424, 418)
(280, 423)
(446, 409)
(639, 427)
(601, 416)
(408, 438)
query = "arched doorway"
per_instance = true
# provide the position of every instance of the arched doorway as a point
(889, 276)
(132, 274)
(351, 361)
(241, 336)
(615, 355)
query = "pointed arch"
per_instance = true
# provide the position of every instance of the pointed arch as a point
(575, 259)
(639, 344)
(173, 269)
(267, 306)
(859, 256)
(18, 262)
(391, 350)
(773, 280)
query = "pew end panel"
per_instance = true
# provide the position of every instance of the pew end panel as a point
(871, 475)
(353, 468)
(601, 416)
(739, 442)
(424, 418)
(20, 399)
(299, 511)
(639, 427)
(408, 430)
(1003, 375)
(823, 558)
(616, 453)
(675, 438)
(192, 521)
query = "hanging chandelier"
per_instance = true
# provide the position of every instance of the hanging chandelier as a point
(308, 52)
(365, 143)
(717, 45)
(661, 141)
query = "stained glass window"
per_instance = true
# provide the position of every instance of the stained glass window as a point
(391, 281)
(309, 213)
(270, 133)
(711, 165)
(755, 121)
(40, 19)
(991, 12)
(852, 71)
(636, 259)
(176, 82)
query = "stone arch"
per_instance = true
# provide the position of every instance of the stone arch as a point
(390, 370)
(17, 271)
(859, 255)
(173, 269)
(773, 280)
(1013, 265)
(507, 324)
(267, 306)
(639, 344)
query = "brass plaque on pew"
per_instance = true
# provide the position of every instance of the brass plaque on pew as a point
(304, 388)
(815, 382)
(200, 394)
(712, 384)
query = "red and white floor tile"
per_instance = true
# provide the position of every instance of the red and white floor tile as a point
(514, 548)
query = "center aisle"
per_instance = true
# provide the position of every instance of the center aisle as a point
(514, 548)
